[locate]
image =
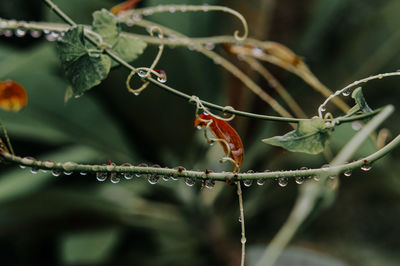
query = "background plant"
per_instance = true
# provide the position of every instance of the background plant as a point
(103, 142)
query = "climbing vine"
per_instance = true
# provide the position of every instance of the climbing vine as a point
(87, 54)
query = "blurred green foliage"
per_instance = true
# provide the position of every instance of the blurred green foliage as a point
(75, 220)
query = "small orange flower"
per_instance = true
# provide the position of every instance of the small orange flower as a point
(13, 96)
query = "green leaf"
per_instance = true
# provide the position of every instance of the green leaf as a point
(309, 137)
(84, 69)
(361, 103)
(128, 48)
(105, 24)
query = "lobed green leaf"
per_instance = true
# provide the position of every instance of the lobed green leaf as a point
(310, 137)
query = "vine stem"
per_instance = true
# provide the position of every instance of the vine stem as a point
(56, 27)
(109, 52)
(184, 8)
(355, 83)
(242, 223)
(201, 175)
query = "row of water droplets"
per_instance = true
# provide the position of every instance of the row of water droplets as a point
(153, 178)
(50, 36)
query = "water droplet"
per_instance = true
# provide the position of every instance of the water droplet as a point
(366, 167)
(141, 165)
(172, 9)
(240, 219)
(346, 92)
(110, 166)
(305, 168)
(356, 125)
(44, 170)
(163, 76)
(209, 183)
(210, 46)
(257, 52)
(283, 181)
(173, 177)
(248, 182)
(183, 9)
(83, 173)
(115, 178)
(27, 160)
(347, 173)
(198, 127)
(142, 73)
(20, 32)
(49, 164)
(153, 179)
(8, 33)
(190, 181)
(52, 36)
(68, 167)
(299, 180)
(127, 176)
(101, 176)
(34, 170)
(260, 182)
(56, 172)
(243, 240)
(35, 33)
(78, 95)
(136, 93)
(323, 108)
(22, 166)
(316, 178)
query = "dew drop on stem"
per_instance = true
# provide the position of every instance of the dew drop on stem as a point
(127, 176)
(366, 167)
(190, 181)
(35, 33)
(346, 92)
(101, 176)
(115, 178)
(209, 183)
(8, 33)
(20, 32)
(283, 181)
(56, 172)
(153, 179)
(347, 173)
(299, 180)
(247, 182)
(34, 170)
(52, 36)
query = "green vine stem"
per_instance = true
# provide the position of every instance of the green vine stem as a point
(203, 175)
(54, 27)
(200, 175)
(184, 8)
(347, 89)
